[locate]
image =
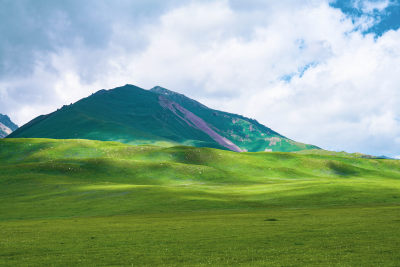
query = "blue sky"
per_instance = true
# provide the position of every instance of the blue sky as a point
(318, 71)
(387, 18)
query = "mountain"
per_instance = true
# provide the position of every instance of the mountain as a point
(6, 126)
(132, 115)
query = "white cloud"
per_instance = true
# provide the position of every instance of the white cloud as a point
(347, 99)
(302, 68)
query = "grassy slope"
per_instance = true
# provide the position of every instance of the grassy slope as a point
(79, 202)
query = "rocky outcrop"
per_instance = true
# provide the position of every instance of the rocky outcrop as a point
(6, 126)
(196, 122)
(4, 130)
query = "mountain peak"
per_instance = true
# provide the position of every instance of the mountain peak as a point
(6, 125)
(164, 91)
(177, 97)
(4, 119)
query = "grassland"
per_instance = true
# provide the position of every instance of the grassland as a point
(91, 203)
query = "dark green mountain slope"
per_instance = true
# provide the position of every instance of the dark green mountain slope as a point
(133, 115)
(6, 126)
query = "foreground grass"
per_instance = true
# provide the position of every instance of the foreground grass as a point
(77, 202)
(322, 237)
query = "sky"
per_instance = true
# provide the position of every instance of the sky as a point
(323, 72)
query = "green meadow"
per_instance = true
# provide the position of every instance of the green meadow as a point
(93, 203)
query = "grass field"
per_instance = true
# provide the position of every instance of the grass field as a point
(91, 203)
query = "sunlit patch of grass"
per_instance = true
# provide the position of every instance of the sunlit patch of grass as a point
(112, 187)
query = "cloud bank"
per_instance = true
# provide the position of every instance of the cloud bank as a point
(303, 68)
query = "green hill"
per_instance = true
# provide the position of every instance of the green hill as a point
(93, 203)
(133, 115)
(295, 179)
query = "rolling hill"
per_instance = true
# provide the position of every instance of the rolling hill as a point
(94, 203)
(6, 126)
(132, 115)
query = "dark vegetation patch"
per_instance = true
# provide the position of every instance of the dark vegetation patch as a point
(271, 220)
(342, 169)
